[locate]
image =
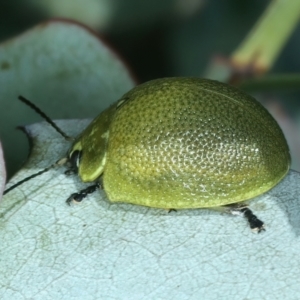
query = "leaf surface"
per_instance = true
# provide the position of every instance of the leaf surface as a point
(99, 250)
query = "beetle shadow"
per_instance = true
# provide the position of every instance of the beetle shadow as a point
(106, 204)
(285, 195)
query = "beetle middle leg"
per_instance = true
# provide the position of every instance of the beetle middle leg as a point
(78, 197)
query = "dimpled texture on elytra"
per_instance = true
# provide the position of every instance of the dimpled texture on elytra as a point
(188, 143)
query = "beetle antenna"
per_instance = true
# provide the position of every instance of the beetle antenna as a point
(45, 117)
(60, 162)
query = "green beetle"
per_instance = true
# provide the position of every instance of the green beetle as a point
(182, 143)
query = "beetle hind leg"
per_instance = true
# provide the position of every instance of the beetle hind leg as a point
(78, 197)
(255, 224)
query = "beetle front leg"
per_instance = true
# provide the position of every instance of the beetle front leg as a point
(78, 197)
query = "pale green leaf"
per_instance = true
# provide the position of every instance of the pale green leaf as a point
(99, 250)
(62, 67)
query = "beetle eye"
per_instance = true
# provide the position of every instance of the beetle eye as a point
(75, 160)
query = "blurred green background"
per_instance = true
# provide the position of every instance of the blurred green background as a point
(167, 38)
(159, 38)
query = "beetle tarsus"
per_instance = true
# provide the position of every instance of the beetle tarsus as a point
(78, 197)
(255, 224)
